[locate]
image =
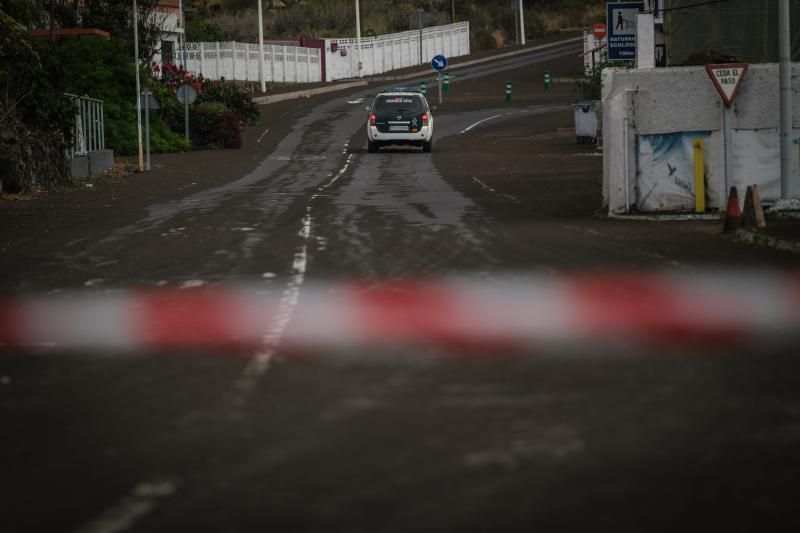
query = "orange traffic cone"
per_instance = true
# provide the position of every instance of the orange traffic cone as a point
(733, 216)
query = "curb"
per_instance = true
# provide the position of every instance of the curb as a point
(784, 215)
(666, 218)
(274, 98)
(759, 239)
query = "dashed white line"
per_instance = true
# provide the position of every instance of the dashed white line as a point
(261, 362)
(509, 196)
(482, 184)
(262, 135)
(465, 130)
(141, 501)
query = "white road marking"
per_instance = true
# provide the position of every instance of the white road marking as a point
(465, 130)
(482, 184)
(260, 364)
(358, 101)
(509, 196)
(141, 501)
(262, 135)
(192, 284)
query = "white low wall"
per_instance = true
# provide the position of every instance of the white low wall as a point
(659, 112)
(394, 51)
(239, 61)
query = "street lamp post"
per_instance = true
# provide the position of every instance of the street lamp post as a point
(521, 24)
(358, 38)
(261, 49)
(784, 53)
(420, 12)
(138, 86)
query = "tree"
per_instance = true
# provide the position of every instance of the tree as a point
(116, 17)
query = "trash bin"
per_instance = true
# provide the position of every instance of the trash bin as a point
(586, 122)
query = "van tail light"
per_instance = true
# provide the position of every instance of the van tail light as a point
(372, 119)
(425, 119)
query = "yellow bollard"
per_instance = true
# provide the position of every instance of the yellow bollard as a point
(699, 178)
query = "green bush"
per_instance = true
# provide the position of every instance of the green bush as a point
(115, 84)
(482, 39)
(205, 31)
(233, 97)
(213, 129)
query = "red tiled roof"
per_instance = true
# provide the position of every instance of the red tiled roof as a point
(70, 32)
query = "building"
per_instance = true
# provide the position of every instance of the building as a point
(734, 30)
(170, 17)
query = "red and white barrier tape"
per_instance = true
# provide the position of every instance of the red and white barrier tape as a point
(575, 310)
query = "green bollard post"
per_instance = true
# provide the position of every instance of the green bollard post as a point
(446, 82)
(508, 91)
(423, 88)
(546, 80)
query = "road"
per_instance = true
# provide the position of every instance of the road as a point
(398, 438)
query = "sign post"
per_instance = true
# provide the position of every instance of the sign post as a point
(186, 95)
(727, 78)
(148, 102)
(439, 63)
(621, 28)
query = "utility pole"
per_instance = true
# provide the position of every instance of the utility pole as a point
(138, 86)
(420, 12)
(261, 49)
(784, 52)
(521, 24)
(358, 37)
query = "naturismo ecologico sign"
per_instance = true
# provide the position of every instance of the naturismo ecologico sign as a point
(621, 28)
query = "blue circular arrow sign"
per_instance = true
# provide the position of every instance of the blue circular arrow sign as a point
(439, 62)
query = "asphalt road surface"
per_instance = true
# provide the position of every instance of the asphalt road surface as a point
(399, 438)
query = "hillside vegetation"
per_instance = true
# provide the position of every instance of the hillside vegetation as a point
(491, 21)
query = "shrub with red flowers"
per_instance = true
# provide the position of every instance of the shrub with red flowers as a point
(173, 76)
(217, 117)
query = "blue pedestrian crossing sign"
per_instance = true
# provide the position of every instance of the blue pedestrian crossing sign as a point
(439, 63)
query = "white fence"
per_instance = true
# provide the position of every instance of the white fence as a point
(239, 61)
(294, 64)
(394, 51)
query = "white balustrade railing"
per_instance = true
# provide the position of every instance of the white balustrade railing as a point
(295, 64)
(239, 61)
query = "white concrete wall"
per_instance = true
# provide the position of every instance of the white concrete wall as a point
(684, 99)
(394, 51)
